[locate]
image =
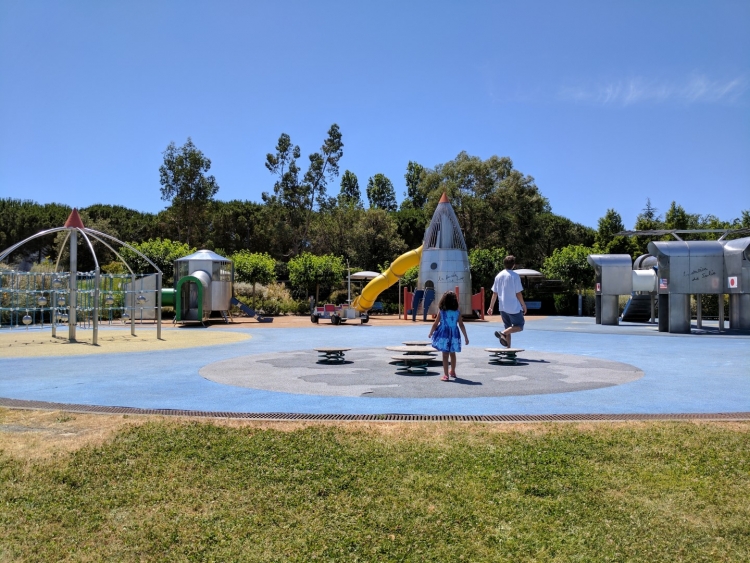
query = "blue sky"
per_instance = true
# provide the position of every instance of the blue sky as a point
(605, 104)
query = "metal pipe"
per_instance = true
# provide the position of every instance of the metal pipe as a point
(158, 305)
(721, 311)
(7, 251)
(132, 310)
(96, 307)
(73, 285)
(59, 254)
(53, 313)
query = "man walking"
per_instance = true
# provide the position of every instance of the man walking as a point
(507, 291)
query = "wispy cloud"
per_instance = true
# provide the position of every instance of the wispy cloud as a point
(638, 90)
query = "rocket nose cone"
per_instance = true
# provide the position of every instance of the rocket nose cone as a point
(444, 198)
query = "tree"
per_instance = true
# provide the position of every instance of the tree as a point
(20, 219)
(243, 225)
(350, 194)
(571, 265)
(184, 181)
(162, 252)
(254, 268)
(496, 205)
(677, 218)
(410, 277)
(556, 232)
(380, 193)
(375, 240)
(324, 166)
(485, 264)
(412, 224)
(308, 271)
(297, 198)
(415, 197)
(647, 220)
(607, 241)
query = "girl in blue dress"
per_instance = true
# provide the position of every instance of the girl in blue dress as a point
(445, 332)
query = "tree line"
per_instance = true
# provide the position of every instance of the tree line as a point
(315, 210)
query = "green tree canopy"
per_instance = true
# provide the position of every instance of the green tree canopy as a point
(184, 181)
(375, 240)
(308, 271)
(570, 264)
(496, 205)
(608, 242)
(254, 268)
(20, 219)
(410, 277)
(297, 198)
(257, 267)
(415, 196)
(485, 264)
(350, 193)
(380, 193)
(677, 218)
(162, 252)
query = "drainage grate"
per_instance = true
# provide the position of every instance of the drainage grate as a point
(386, 417)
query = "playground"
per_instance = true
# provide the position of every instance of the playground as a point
(248, 367)
(571, 367)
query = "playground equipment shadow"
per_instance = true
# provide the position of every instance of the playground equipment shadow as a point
(696, 374)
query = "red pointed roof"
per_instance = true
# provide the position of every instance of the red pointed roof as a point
(444, 199)
(74, 220)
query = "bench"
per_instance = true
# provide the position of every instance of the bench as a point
(331, 355)
(503, 356)
(533, 305)
(412, 363)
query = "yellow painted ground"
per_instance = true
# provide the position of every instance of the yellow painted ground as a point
(33, 343)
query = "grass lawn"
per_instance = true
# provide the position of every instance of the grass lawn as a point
(199, 491)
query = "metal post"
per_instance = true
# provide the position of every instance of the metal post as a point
(698, 311)
(158, 306)
(73, 285)
(679, 313)
(663, 312)
(598, 309)
(53, 313)
(721, 311)
(653, 308)
(399, 298)
(580, 304)
(132, 305)
(95, 325)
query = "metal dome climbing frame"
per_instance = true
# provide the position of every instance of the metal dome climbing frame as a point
(68, 295)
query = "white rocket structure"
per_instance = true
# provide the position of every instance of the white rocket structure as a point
(444, 264)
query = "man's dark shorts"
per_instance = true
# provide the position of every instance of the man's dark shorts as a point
(512, 319)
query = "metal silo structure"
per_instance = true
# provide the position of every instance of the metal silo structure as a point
(444, 264)
(203, 284)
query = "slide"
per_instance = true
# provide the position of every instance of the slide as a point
(385, 280)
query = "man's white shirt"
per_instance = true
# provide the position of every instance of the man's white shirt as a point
(507, 284)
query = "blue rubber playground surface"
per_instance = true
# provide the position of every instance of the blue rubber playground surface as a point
(703, 372)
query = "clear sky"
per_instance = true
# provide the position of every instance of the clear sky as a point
(605, 104)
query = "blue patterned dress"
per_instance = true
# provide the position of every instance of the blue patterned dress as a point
(447, 336)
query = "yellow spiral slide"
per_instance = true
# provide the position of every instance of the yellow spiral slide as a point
(385, 280)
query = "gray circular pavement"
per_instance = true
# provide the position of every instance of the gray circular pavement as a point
(370, 372)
